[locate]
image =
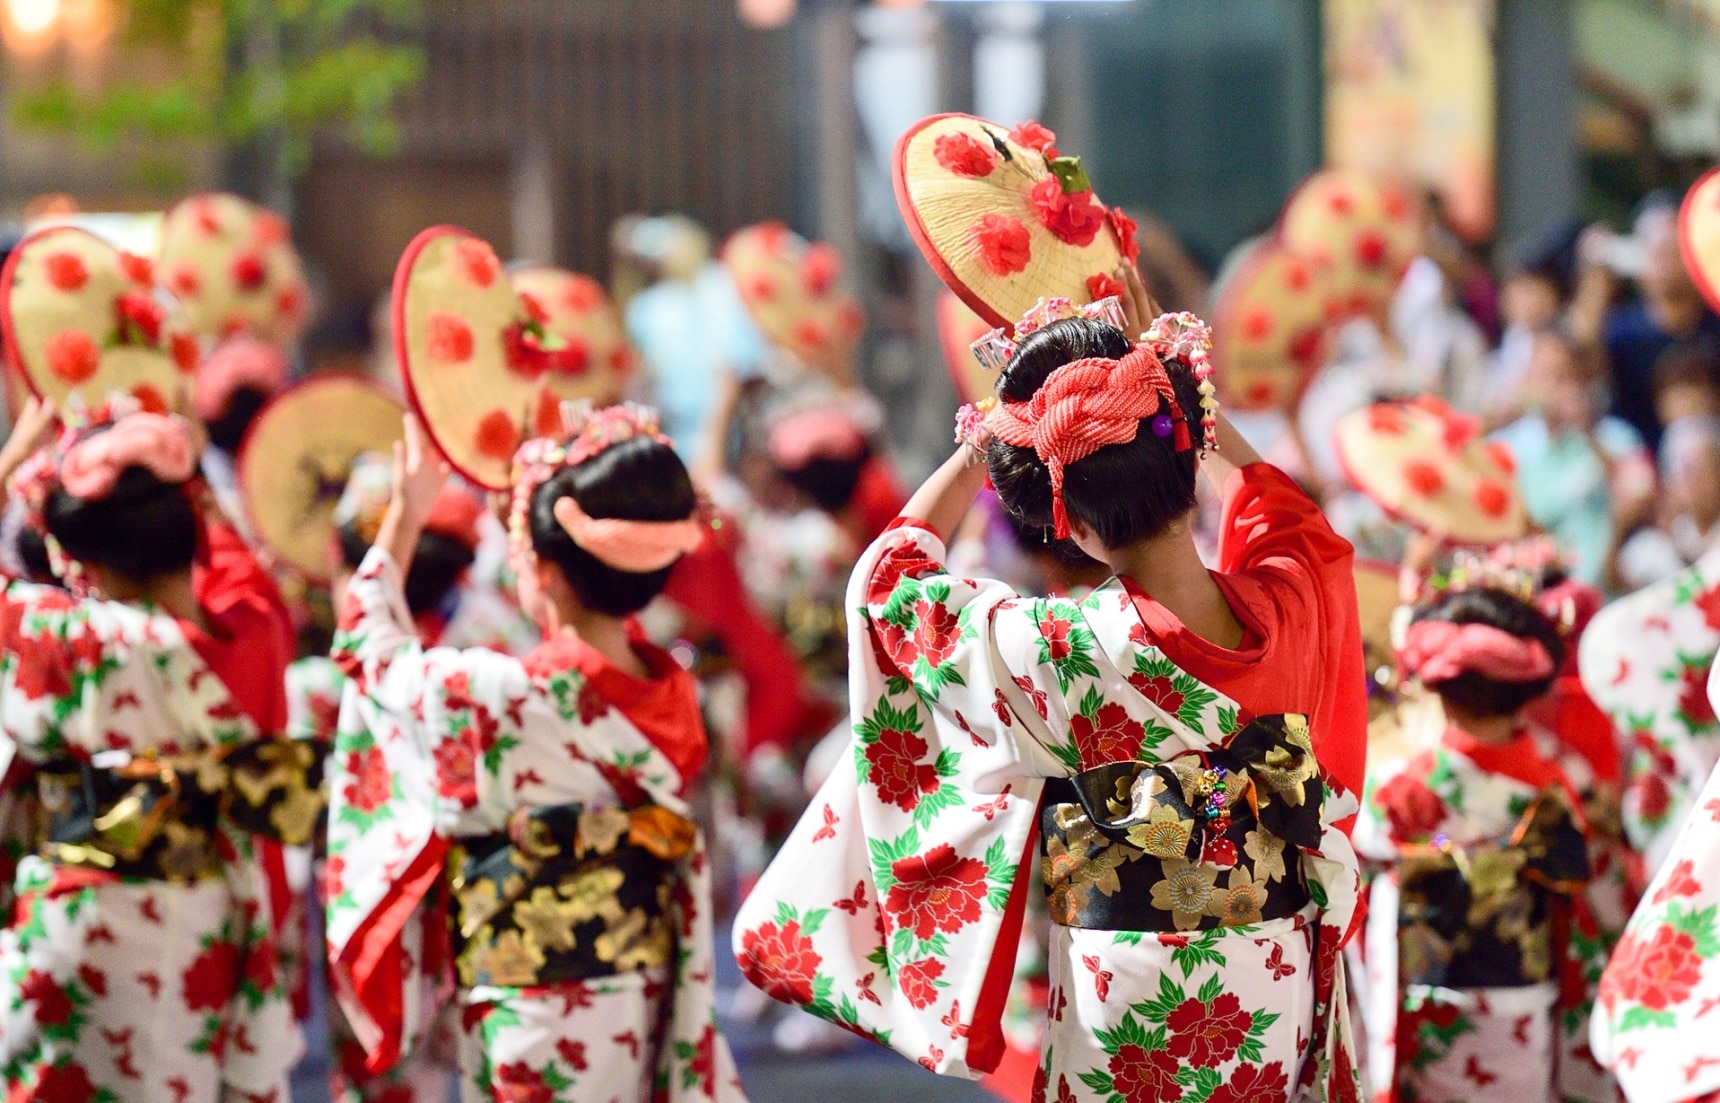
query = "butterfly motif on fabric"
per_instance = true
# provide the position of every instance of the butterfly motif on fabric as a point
(828, 831)
(1277, 966)
(991, 808)
(1102, 978)
(853, 904)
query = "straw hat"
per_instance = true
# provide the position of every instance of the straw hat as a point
(83, 321)
(793, 290)
(958, 328)
(1699, 235)
(1004, 218)
(1428, 466)
(295, 459)
(595, 360)
(1365, 225)
(233, 266)
(472, 356)
(1270, 330)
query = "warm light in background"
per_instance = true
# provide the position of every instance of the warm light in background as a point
(33, 17)
(766, 13)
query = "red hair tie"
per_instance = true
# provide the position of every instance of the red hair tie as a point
(1087, 405)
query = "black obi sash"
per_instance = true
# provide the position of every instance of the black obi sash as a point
(1204, 840)
(157, 817)
(567, 894)
(1483, 916)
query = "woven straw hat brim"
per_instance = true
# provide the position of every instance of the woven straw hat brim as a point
(1365, 225)
(810, 319)
(581, 314)
(1379, 464)
(295, 459)
(943, 209)
(1271, 327)
(39, 316)
(231, 265)
(1699, 235)
(958, 328)
(473, 406)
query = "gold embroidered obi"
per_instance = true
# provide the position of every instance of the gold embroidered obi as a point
(1482, 916)
(156, 817)
(1204, 840)
(568, 893)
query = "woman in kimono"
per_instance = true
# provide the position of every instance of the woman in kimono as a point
(1482, 857)
(1653, 1024)
(1184, 742)
(142, 960)
(548, 793)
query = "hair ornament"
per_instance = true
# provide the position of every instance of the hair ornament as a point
(1185, 337)
(998, 347)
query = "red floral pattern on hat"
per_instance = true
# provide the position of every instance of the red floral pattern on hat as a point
(1005, 247)
(964, 155)
(448, 338)
(73, 356)
(1073, 218)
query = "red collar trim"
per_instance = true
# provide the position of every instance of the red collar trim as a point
(1519, 759)
(1162, 625)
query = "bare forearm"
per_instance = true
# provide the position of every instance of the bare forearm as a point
(944, 498)
(398, 536)
(1233, 452)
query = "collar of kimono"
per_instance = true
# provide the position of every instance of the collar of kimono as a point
(1519, 759)
(664, 707)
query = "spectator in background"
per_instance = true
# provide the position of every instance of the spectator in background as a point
(1667, 309)
(1690, 519)
(1578, 468)
(1687, 379)
(1536, 288)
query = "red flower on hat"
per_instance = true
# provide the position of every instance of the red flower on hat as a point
(207, 220)
(269, 229)
(66, 271)
(533, 307)
(580, 294)
(186, 352)
(964, 155)
(149, 400)
(1004, 244)
(1256, 323)
(1305, 347)
(290, 300)
(850, 320)
(819, 269)
(761, 287)
(184, 281)
(496, 436)
(1370, 248)
(139, 311)
(1297, 276)
(1385, 418)
(73, 356)
(1075, 218)
(546, 419)
(1459, 430)
(1424, 478)
(248, 272)
(449, 338)
(1341, 202)
(772, 237)
(1394, 202)
(1033, 136)
(477, 261)
(1492, 498)
(809, 334)
(572, 359)
(137, 269)
(522, 354)
(1103, 285)
(1124, 227)
(1502, 456)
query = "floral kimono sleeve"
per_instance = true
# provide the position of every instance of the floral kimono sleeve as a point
(1653, 1022)
(894, 908)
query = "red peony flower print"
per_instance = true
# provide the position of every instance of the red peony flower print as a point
(1208, 1036)
(936, 632)
(43, 668)
(1658, 972)
(139, 270)
(262, 966)
(704, 1062)
(1708, 602)
(1035, 137)
(1072, 218)
(1142, 1077)
(936, 892)
(457, 772)
(66, 271)
(248, 272)
(496, 436)
(1103, 285)
(820, 268)
(1110, 736)
(1004, 244)
(477, 261)
(448, 338)
(781, 961)
(1653, 798)
(964, 155)
(212, 977)
(1125, 228)
(1161, 691)
(1056, 632)
(1039, 1085)
(901, 561)
(1679, 882)
(66, 1082)
(1414, 810)
(896, 770)
(518, 1082)
(53, 1003)
(1693, 701)
(1250, 1084)
(73, 356)
(371, 785)
(918, 981)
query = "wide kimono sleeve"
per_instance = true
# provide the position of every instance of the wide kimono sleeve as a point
(1654, 1020)
(894, 908)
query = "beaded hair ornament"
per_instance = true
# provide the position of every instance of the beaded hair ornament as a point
(1089, 404)
(636, 546)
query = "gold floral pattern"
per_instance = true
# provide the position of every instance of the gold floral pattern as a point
(1186, 892)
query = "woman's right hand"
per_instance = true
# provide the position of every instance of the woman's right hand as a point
(34, 429)
(1139, 309)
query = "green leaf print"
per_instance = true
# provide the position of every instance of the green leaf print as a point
(1198, 951)
(814, 919)
(1699, 925)
(554, 1079)
(1159, 1008)
(1098, 1081)
(1211, 990)
(1637, 1017)
(899, 606)
(936, 802)
(1128, 1032)
(885, 854)
(1201, 1083)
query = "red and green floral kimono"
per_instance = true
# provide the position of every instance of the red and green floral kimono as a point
(1198, 885)
(1654, 1023)
(520, 826)
(1481, 857)
(1644, 660)
(142, 962)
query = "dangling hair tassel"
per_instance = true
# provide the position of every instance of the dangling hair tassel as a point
(1183, 442)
